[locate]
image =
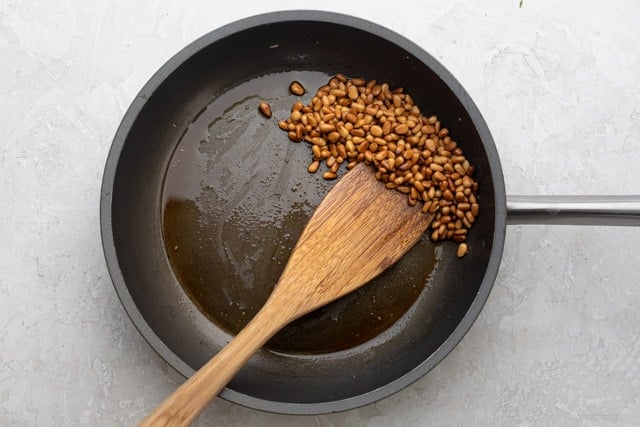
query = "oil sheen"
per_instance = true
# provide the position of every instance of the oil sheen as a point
(236, 197)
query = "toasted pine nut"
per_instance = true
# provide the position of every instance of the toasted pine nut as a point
(296, 88)
(462, 250)
(329, 175)
(313, 167)
(265, 109)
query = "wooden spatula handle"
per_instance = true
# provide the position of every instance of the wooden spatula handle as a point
(357, 232)
(184, 404)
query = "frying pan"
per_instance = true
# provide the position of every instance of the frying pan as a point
(203, 198)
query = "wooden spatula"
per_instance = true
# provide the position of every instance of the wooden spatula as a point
(359, 230)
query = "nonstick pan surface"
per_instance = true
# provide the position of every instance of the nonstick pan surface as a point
(203, 199)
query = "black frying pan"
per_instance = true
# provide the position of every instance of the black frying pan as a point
(203, 198)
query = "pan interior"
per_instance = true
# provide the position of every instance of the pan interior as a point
(199, 169)
(236, 198)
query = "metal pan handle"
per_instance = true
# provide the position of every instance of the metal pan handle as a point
(574, 210)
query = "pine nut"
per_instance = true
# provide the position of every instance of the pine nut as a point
(329, 175)
(295, 116)
(358, 107)
(265, 109)
(352, 92)
(327, 117)
(311, 119)
(459, 238)
(462, 250)
(358, 132)
(370, 110)
(469, 217)
(326, 127)
(333, 136)
(376, 130)
(438, 176)
(313, 167)
(296, 88)
(436, 168)
(349, 145)
(342, 151)
(401, 129)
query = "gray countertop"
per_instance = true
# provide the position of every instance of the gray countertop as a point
(558, 83)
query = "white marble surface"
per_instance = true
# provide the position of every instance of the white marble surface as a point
(559, 84)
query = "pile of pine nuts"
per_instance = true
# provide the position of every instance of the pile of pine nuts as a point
(352, 121)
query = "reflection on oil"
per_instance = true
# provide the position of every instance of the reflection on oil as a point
(236, 198)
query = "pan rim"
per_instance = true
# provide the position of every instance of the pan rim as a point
(244, 24)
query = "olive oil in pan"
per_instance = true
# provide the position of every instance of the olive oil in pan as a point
(236, 197)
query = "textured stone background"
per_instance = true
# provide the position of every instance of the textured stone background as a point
(559, 84)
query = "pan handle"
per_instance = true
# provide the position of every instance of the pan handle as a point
(574, 210)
